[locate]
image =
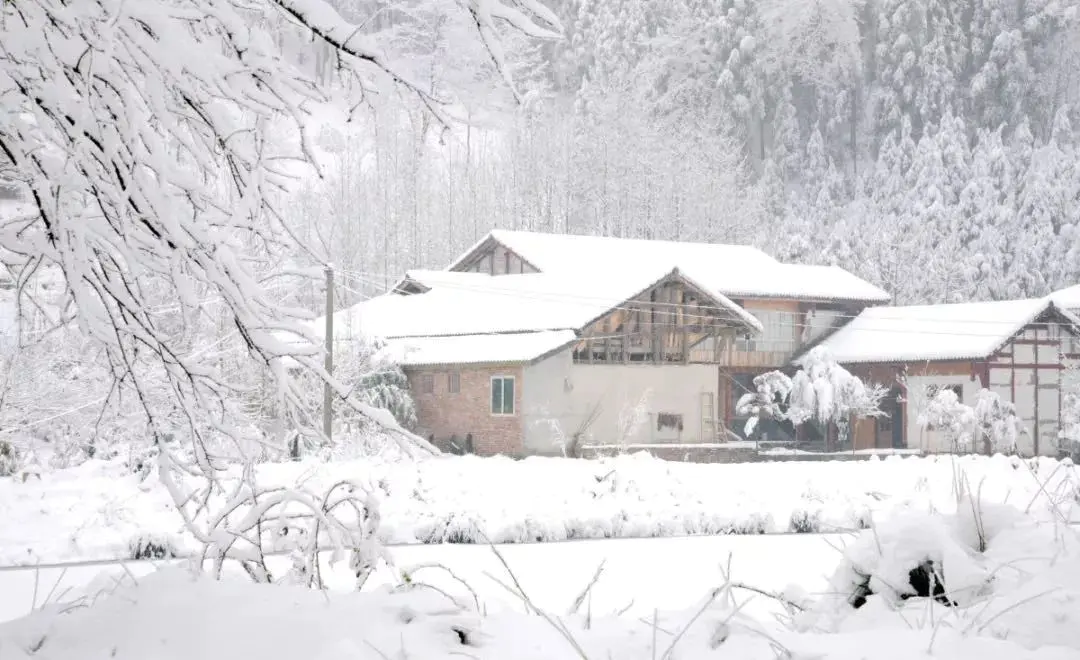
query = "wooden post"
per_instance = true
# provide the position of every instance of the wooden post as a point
(684, 335)
(627, 320)
(328, 394)
(1035, 352)
(654, 330)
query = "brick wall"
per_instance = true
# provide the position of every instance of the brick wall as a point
(446, 415)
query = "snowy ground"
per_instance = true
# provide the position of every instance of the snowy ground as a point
(638, 574)
(98, 510)
(1012, 586)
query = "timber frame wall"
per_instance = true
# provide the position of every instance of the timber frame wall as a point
(1026, 370)
(670, 322)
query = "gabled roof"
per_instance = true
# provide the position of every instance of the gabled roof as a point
(1068, 298)
(514, 348)
(732, 270)
(556, 252)
(917, 333)
(472, 303)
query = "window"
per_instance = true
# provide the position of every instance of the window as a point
(427, 384)
(502, 395)
(453, 382)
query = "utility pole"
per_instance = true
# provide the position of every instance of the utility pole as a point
(328, 394)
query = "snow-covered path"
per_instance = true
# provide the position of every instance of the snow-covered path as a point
(639, 574)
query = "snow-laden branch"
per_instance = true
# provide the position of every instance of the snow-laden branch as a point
(822, 391)
(990, 426)
(146, 136)
(155, 142)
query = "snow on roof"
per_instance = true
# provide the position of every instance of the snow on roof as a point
(429, 279)
(934, 332)
(733, 270)
(554, 252)
(798, 281)
(472, 303)
(520, 347)
(1068, 298)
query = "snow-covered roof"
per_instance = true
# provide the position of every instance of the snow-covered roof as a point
(733, 270)
(513, 348)
(472, 303)
(555, 252)
(429, 279)
(1068, 298)
(935, 332)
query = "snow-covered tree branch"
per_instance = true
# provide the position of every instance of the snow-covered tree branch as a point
(146, 136)
(155, 143)
(821, 391)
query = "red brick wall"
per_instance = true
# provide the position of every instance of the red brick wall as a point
(469, 410)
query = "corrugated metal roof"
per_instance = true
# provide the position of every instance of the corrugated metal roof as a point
(515, 348)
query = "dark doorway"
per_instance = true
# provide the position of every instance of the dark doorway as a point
(890, 426)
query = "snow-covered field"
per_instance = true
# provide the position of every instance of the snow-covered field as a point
(1010, 591)
(638, 574)
(98, 510)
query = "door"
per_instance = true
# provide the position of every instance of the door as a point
(708, 417)
(890, 426)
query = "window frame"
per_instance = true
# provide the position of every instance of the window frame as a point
(427, 383)
(933, 388)
(502, 393)
(453, 382)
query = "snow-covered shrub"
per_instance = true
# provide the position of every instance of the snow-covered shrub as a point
(9, 459)
(374, 380)
(997, 426)
(252, 521)
(999, 570)
(151, 547)
(385, 386)
(990, 426)
(917, 555)
(946, 414)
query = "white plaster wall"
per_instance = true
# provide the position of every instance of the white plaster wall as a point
(1049, 410)
(547, 405)
(1000, 383)
(560, 395)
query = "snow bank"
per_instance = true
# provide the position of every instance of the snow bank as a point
(986, 570)
(173, 615)
(101, 511)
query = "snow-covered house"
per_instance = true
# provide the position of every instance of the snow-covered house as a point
(1014, 348)
(529, 340)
